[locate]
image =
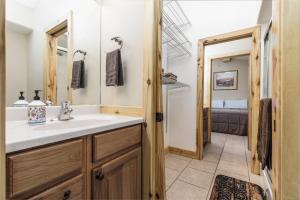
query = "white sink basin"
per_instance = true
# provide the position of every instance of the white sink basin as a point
(74, 123)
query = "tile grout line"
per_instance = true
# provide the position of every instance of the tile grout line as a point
(202, 170)
(247, 160)
(193, 185)
(178, 157)
(179, 174)
(212, 182)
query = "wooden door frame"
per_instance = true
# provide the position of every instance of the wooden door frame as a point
(285, 99)
(152, 92)
(2, 100)
(254, 33)
(50, 58)
(209, 88)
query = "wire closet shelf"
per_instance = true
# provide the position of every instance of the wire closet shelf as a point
(175, 22)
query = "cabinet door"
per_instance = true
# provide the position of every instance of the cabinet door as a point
(119, 178)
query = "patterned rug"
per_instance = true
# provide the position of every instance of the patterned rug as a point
(228, 188)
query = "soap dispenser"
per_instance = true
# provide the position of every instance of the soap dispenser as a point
(36, 110)
(21, 102)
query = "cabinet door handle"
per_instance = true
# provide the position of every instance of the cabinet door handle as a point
(67, 194)
(99, 175)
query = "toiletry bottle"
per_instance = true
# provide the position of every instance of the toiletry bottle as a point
(21, 102)
(36, 110)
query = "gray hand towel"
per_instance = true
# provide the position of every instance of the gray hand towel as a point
(114, 71)
(78, 75)
(264, 137)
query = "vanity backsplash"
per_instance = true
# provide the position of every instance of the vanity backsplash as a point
(18, 114)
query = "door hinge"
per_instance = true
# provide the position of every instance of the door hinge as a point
(150, 195)
(157, 196)
(159, 117)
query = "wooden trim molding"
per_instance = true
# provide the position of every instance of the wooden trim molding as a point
(255, 98)
(254, 33)
(182, 152)
(153, 141)
(122, 110)
(166, 150)
(227, 37)
(2, 99)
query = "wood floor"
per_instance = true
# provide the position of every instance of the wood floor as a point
(190, 179)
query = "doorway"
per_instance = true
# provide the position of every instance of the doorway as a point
(58, 61)
(254, 34)
(236, 65)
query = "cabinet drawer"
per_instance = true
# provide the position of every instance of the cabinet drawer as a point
(33, 171)
(107, 144)
(71, 189)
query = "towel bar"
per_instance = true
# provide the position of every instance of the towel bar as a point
(84, 53)
(118, 40)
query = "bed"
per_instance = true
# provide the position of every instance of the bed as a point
(230, 116)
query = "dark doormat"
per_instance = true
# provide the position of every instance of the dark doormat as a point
(228, 188)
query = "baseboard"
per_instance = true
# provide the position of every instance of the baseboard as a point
(182, 152)
(166, 150)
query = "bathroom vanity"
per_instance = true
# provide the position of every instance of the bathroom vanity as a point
(91, 157)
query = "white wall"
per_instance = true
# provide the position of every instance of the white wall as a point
(16, 65)
(86, 34)
(18, 13)
(208, 18)
(242, 66)
(124, 19)
(165, 93)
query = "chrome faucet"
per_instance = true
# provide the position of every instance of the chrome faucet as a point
(65, 112)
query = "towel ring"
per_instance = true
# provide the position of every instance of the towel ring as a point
(81, 52)
(118, 40)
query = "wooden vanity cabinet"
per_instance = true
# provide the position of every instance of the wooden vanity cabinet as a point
(116, 164)
(109, 167)
(119, 178)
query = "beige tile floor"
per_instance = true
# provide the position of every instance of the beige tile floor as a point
(188, 179)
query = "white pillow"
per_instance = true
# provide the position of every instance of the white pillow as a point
(236, 104)
(217, 104)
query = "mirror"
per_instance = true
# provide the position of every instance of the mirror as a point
(42, 37)
(62, 67)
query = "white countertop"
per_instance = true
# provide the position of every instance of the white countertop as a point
(20, 135)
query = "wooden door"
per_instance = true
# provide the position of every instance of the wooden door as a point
(119, 178)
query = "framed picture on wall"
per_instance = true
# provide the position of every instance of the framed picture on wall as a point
(226, 80)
